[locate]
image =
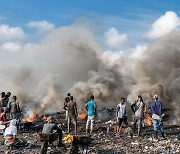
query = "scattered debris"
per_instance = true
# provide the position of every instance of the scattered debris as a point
(103, 140)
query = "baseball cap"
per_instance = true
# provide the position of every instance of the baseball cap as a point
(155, 96)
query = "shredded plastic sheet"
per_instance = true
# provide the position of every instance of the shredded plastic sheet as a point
(68, 139)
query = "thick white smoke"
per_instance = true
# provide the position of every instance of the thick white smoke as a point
(158, 72)
(70, 59)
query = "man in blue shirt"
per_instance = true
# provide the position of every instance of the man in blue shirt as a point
(156, 108)
(91, 108)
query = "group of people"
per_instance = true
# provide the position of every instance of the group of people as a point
(9, 108)
(9, 119)
(139, 110)
(71, 113)
(71, 116)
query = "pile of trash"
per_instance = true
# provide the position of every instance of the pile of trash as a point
(104, 140)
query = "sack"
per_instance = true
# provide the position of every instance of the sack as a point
(156, 117)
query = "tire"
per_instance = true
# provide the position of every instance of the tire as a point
(44, 147)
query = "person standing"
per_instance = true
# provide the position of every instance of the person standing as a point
(121, 115)
(138, 108)
(7, 96)
(156, 108)
(67, 99)
(91, 108)
(72, 114)
(14, 108)
(2, 100)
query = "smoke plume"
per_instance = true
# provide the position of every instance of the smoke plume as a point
(69, 59)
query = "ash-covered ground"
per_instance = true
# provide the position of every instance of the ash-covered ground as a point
(104, 140)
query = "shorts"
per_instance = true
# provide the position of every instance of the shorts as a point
(122, 120)
(72, 118)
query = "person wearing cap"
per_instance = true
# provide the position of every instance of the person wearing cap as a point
(156, 108)
(50, 126)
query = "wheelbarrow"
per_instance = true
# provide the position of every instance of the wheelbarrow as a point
(46, 140)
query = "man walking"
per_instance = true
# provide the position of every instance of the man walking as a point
(91, 108)
(156, 108)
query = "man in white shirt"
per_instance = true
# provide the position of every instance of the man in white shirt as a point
(121, 115)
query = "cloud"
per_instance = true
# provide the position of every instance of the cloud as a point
(138, 51)
(114, 39)
(11, 47)
(8, 33)
(110, 57)
(41, 26)
(165, 24)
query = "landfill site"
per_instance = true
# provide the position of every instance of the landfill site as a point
(104, 140)
(89, 77)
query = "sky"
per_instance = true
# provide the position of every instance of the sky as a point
(132, 17)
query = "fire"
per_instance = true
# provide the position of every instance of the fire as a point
(44, 117)
(82, 114)
(147, 120)
(31, 118)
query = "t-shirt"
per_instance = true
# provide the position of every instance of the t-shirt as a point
(121, 110)
(14, 106)
(49, 127)
(91, 107)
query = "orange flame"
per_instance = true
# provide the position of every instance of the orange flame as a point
(31, 118)
(147, 120)
(82, 114)
(44, 117)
